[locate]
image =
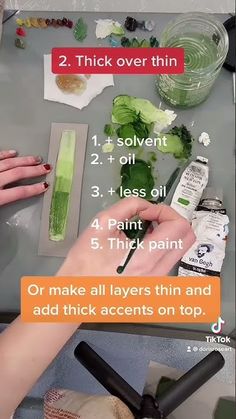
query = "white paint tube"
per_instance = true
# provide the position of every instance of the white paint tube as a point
(210, 225)
(190, 188)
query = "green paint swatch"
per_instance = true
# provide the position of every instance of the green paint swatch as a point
(62, 187)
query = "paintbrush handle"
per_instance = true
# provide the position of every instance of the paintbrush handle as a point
(139, 237)
(108, 377)
(141, 233)
(190, 382)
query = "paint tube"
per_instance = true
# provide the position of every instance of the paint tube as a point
(210, 225)
(191, 185)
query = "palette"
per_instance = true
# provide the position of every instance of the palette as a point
(60, 248)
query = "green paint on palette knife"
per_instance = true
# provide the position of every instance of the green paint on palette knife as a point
(60, 202)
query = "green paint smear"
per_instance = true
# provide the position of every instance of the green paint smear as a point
(179, 142)
(60, 202)
(137, 176)
(136, 129)
(109, 130)
(80, 30)
(139, 43)
(58, 215)
(152, 156)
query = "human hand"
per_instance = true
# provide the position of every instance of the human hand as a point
(84, 260)
(13, 169)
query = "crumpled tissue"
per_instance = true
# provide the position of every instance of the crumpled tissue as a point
(95, 85)
(60, 404)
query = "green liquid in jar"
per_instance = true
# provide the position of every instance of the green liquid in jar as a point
(192, 87)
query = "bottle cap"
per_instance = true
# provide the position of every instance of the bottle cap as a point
(202, 159)
(213, 193)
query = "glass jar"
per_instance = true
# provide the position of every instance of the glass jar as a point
(205, 41)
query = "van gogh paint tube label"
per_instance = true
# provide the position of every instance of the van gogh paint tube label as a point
(206, 255)
(189, 190)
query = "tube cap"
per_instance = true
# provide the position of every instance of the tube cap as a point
(213, 193)
(202, 159)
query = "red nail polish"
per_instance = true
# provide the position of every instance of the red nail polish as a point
(47, 166)
(45, 185)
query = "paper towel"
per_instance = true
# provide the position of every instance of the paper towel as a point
(95, 85)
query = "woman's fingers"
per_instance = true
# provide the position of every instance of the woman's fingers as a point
(167, 230)
(160, 213)
(19, 173)
(10, 163)
(123, 210)
(169, 237)
(13, 169)
(22, 192)
(128, 208)
(5, 154)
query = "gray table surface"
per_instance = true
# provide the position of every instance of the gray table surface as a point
(25, 120)
(172, 6)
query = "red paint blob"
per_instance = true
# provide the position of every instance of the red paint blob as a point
(20, 32)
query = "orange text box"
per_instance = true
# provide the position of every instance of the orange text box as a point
(120, 299)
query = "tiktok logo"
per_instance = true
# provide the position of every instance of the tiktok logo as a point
(218, 326)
